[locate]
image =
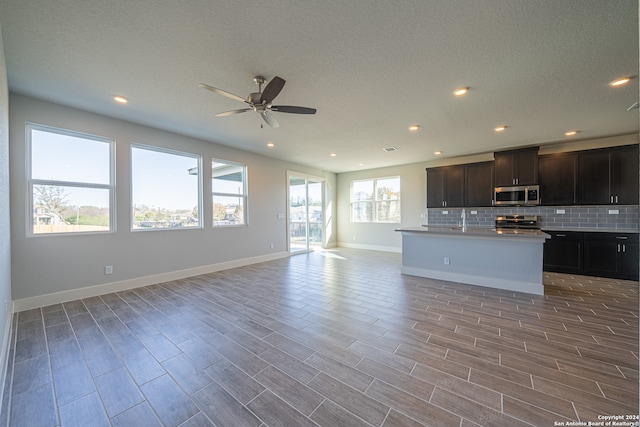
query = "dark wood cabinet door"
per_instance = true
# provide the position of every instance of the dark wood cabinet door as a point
(479, 184)
(563, 252)
(624, 175)
(516, 167)
(504, 169)
(454, 186)
(600, 255)
(630, 261)
(593, 178)
(435, 187)
(558, 179)
(526, 167)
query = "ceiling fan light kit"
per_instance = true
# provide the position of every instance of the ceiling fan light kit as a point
(260, 101)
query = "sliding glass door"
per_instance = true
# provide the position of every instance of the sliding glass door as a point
(306, 201)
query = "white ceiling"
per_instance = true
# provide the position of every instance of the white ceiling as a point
(371, 68)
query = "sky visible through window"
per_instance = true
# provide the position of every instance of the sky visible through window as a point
(162, 180)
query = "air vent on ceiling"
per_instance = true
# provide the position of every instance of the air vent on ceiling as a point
(390, 149)
(633, 107)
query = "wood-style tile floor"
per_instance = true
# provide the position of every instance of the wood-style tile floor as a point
(331, 338)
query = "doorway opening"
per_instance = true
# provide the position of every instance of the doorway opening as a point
(306, 219)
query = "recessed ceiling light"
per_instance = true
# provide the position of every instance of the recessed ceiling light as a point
(360, 164)
(120, 99)
(414, 127)
(333, 154)
(270, 144)
(571, 133)
(500, 128)
(461, 91)
(620, 81)
(437, 153)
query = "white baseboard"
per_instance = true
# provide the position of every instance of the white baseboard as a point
(478, 280)
(105, 288)
(394, 249)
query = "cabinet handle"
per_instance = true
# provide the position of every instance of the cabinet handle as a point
(621, 237)
(624, 248)
(611, 199)
(616, 200)
(618, 247)
(561, 235)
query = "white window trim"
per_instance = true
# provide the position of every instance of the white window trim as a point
(166, 151)
(375, 201)
(31, 182)
(245, 195)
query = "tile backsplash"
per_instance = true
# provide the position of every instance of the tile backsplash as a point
(570, 217)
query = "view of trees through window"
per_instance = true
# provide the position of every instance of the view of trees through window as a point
(229, 193)
(375, 200)
(70, 181)
(165, 188)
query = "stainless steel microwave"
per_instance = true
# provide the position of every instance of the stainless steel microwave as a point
(521, 195)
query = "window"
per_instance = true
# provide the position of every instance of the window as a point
(229, 190)
(375, 200)
(165, 189)
(71, 181)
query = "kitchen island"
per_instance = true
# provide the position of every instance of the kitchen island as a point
(504, 259)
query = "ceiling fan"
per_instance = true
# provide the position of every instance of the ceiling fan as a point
(260, 101)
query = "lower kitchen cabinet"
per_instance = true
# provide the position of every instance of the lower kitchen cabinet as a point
(614, 255)
(611, 255)
(563, 252)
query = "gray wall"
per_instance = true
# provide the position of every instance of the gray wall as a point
(414, 211)
(5, 233)
(45, 265)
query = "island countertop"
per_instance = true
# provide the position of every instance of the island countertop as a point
(475, 231)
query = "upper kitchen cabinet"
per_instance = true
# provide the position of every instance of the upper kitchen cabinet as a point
(608, 176)
(445, 187)
(479, 184)
(558, 177)
(516, 167)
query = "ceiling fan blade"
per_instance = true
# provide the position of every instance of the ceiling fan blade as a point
(271, 121)
(272, 90)
(293, 109)
(232, 112)
(221, 92)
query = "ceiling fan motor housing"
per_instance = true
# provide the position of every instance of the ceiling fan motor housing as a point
(254, 98)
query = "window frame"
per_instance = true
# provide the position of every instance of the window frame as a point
(163, 150)
(245, 195)
(375, 202)
(31, 182)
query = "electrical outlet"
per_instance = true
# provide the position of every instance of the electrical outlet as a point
(614, 211)
(474, 212)
(560, 211)
(445, 212)
(108, 269)
(272, 246)
(447, 261)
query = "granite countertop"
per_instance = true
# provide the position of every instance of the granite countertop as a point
(474, 231)
(593, 230)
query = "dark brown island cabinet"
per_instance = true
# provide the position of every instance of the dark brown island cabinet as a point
(516, 167)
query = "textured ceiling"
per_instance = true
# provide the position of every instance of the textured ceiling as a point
(371, 68)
